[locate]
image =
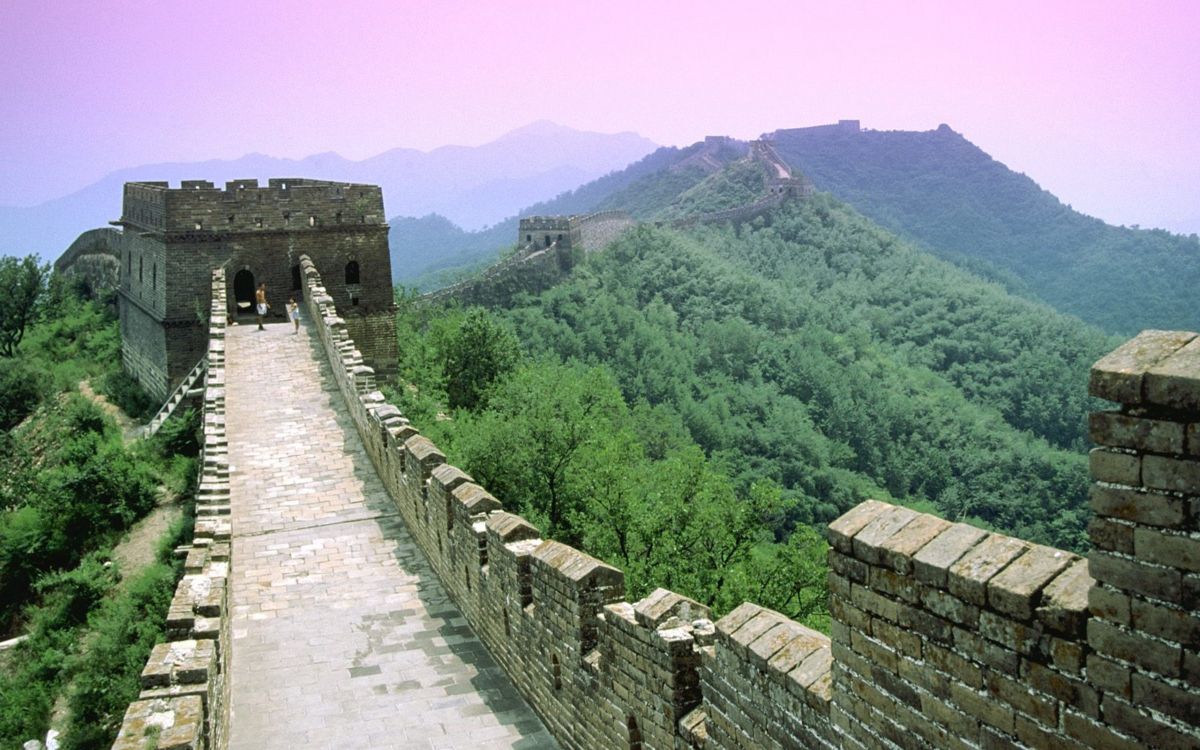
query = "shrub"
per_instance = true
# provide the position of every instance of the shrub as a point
(21, 390)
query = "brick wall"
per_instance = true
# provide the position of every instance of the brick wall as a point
(184, 691)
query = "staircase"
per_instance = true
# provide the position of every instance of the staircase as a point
(187, 387)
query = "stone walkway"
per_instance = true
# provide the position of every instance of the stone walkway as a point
(342, 635)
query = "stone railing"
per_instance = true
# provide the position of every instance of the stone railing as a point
(944, 635)
(184, 698)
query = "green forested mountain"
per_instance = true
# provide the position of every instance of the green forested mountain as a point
(758, 377)
(814, 349)
(938, 188)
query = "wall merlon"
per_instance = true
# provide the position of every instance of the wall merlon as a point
(1119, 376)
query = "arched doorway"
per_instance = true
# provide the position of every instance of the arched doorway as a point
(243, 291)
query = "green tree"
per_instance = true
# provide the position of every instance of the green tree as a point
(476, 354)
(22, 283)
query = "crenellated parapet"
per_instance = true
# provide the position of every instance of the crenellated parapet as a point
(184, 698)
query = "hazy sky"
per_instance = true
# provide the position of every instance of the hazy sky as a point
(1097, 101)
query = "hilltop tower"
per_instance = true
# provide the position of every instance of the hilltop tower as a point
(174, 237)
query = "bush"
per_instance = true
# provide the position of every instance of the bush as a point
(128, 394)
(22, 388)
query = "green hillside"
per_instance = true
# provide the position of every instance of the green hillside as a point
(941, 190)
(431, 252)
(821, 352)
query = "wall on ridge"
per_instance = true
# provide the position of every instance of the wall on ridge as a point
(184, 702)
(944, 636)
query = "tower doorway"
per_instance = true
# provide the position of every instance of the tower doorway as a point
(243, 291)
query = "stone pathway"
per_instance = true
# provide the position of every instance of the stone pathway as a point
(342, 635)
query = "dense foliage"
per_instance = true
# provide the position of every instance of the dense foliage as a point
(70, 486)
(557, 443)
(943, 191)
(811, 349)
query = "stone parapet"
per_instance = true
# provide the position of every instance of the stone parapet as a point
(184, 697)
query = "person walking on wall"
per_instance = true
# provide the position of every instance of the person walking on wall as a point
(261, 306)
(293, 311)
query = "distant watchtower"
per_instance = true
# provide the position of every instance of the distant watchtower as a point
(173, 237)
(544, 231)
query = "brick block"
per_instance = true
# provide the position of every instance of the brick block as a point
(1150, 508)
(897, 551)
(982, 706)
(1114, 466)
(1016, 590)
(1109, 676)
(1069, 690)
(1165, 548)
(1063, 606)
(841, 532)
(1135, 648)
(1095, 735)
(1174, 381)
(1193, 439)
(1109, 604)
(1168, 699)
(868, 540)
(1174, 474)
(1171, 623)
(933, 560)
(968, 578)
(1111, 535)
(1134, 576)
(1137, 433)
(1118, 376)
(1133, 721)
(1013, 693)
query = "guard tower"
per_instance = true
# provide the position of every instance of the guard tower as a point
(174, 237)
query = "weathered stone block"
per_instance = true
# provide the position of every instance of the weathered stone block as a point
(1109, 604)
(933, 560)
(868, 540)
(1111, 535)
(1171, 623)
(1152, 508)
(1135, 648)
(898, 550)
(1119, 375)
(1174, 381)
(1135, 576)
(163, 724)
(1174, 474)
(1137, 433)
(1114, 466)
(968, 578)
(1064, 604)
(1016, 590)
(841, 532)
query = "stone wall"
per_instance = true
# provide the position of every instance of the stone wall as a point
(95, 257)
(184, 703)
(944, 635)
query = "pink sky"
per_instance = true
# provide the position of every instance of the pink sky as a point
(1097, 101)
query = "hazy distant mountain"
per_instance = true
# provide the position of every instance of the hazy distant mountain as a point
(471, 185)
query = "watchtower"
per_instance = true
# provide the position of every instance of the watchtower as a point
(544, 231)
(174, 237)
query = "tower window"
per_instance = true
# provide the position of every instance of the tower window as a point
(312, 221)
(141, 267)
(352, 276)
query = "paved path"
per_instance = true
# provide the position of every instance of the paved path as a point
(342, 635)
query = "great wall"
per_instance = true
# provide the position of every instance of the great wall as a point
(346, 586)
(546, 244)
(943, 636)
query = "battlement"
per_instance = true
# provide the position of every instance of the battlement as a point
(245, 206)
